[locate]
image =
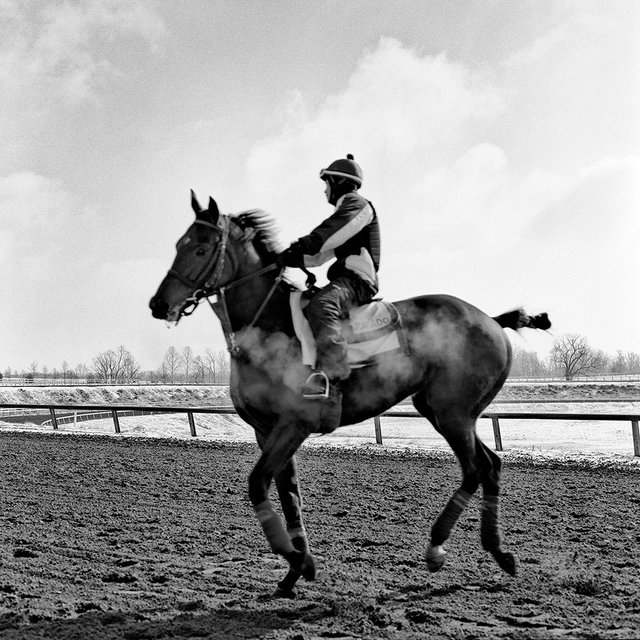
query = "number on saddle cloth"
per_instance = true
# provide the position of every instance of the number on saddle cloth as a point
(373, 332)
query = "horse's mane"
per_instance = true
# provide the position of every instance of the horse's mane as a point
(260, 227)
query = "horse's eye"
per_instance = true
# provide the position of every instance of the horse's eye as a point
(201, 251)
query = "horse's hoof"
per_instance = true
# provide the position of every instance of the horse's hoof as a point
(506, 561)
(289, 594)
(436, 557)
(308, 567)
(303, 564)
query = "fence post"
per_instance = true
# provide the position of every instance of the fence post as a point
(636, 437)
(116, 422)
(378, 428)
(192, 424)
(54, 420)
(496, 433)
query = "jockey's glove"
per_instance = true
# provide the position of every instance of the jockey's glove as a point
(292, 257)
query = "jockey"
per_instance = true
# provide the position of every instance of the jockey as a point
(351, 235)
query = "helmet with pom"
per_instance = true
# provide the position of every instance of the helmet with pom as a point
(345, 169)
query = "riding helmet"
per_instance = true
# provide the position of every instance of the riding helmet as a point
(346, 168)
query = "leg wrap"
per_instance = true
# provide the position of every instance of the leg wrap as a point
(490, 533)
(298, 538)
(447, 519)
(273, 528)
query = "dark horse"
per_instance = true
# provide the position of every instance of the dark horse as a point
(457, 361)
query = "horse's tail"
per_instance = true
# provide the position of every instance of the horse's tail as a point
(518, 319)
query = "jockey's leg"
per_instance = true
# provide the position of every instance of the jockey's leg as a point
(325, 313)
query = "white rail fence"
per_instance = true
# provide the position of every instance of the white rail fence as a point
(116, 411)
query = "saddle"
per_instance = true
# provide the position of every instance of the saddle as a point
(373, 332)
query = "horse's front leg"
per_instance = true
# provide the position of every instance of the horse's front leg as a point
(277, 453)
(291, 501)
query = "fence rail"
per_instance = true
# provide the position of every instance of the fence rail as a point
(116, 410)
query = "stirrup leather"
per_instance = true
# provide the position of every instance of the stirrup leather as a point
(316, 386)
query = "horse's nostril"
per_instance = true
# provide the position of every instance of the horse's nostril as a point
(159, 308)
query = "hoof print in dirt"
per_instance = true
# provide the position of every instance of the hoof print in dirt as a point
(421, 616)
(288, 594)
(191, 605)
(119, 578)
(84, 607)
(125, 562)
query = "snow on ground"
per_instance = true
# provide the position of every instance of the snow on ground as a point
(537, 437)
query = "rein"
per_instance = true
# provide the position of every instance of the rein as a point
(204, 287)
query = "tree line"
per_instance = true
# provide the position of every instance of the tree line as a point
(118, 365)
(571, 356)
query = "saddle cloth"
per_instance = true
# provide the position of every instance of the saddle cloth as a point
(373, 332)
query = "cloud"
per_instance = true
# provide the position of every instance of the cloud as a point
(34, 212)
(55, 48)
(402, 115)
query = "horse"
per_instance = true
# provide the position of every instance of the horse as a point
(457, 360)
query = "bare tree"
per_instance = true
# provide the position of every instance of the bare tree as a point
(65, 369)
(223, 366)
(618, 363)
(199, 369)
(33, 367)
(186, 361)
(104, 366)
(82, 371)
(526, 364)
(210, 359)
(130, 366)
(116, 365)
(633, 362)
(171, 363)
(573, 356)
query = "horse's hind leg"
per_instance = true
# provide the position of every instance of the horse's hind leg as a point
(459, 431)
(490, 530)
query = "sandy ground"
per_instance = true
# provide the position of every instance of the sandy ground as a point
(107, 538)
(149, 534)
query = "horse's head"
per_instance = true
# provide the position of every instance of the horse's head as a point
(217, 252)
(200, 267)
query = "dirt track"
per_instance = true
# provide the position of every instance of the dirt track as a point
(111, 538)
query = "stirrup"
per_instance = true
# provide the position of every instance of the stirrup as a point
(316, 386)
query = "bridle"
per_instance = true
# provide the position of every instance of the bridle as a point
(203, 285)
(206, 285)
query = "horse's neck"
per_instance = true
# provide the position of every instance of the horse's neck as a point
(245, 301)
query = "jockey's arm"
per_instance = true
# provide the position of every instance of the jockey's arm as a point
(353, 213)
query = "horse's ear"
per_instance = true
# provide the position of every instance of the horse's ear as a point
(214, 212)
(195, 205)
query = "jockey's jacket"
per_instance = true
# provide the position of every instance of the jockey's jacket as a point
(352, 235)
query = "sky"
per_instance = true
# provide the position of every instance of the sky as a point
(499, 140)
